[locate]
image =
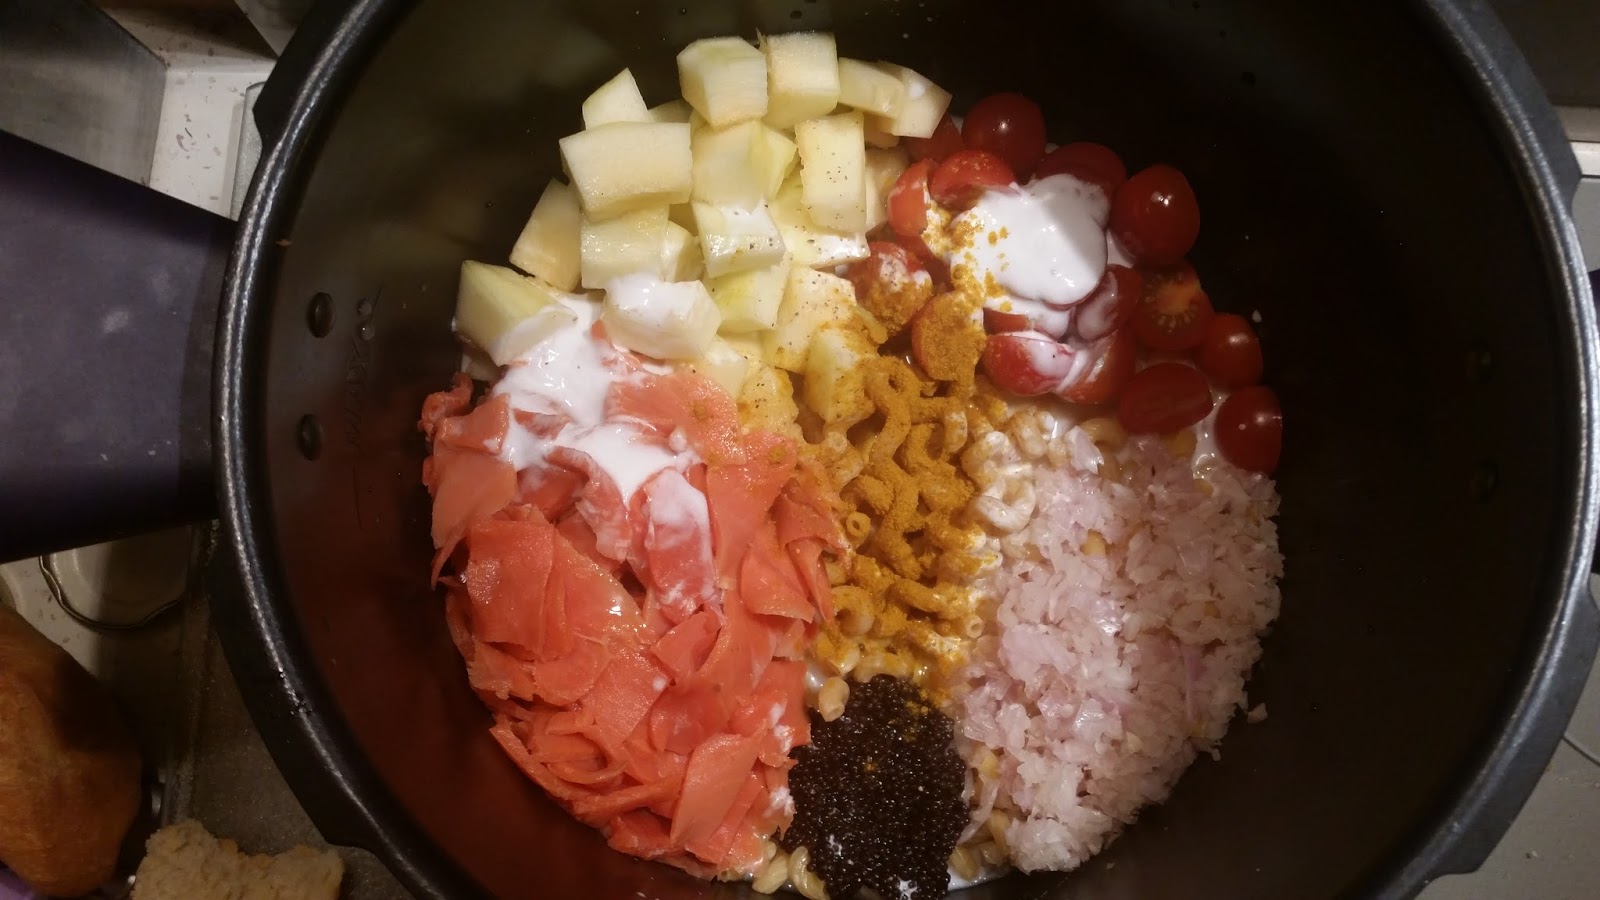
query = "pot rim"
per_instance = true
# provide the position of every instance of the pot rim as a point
(310, 741)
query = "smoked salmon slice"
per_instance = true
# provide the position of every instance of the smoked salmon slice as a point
(599, 502)
(682, 401)
(677, 544)
(806, 554)
(468, 485)
(768, 582)
(506, 578)
(622, 697)
(552, 490)
(741, 496)
(720, 842)
(685, 648)
(576, 530)
(489, 669)
(687, 716)
(482, 429)
(600, 808)
(633, 649)
(442, 405)
(638, 833)
(716, 773)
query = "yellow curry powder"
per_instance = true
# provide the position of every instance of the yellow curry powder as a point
(903, 600)
(895, 296)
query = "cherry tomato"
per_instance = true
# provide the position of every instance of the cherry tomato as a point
(908, 206)
(1094, 163)
(887, 285)
(961, 179)
(1008, 125)
(1109, 375)
(1026, 363)
(885, 262)
(1249, 429)
(1174, 312)
(1110, 304)
(1155, 216)
(1163, 398)
(945, 140)
(997, 322)
(1231, 352)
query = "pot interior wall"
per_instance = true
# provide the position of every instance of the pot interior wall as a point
(1351, 195)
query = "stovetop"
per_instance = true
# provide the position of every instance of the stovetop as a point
(134, 615)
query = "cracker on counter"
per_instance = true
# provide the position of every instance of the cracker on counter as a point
(184, 862)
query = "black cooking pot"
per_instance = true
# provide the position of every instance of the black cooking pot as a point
(1382, 181)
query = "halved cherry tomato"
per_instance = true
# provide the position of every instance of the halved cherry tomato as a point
(1163, 398)
(1249, 429)
(887, 285)
(1174, 312)
(945, 140)
(884, 255)
(1008, 125)
(1230, 351)
(908, 205)
(1155, 216)
(1110, 304)
(997, 322)
(1026, 363)
(1088, 161)
(962, 178)
(1109, 375)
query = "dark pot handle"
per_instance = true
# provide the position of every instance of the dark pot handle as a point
(110, 298)
(109, 294)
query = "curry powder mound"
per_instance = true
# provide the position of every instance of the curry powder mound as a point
(904, 602)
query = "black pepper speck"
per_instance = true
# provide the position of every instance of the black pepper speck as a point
(878, 795)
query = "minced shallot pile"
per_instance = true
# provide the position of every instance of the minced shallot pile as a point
(1128, 616)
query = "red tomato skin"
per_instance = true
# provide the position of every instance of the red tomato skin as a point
(882, 252)
(962, 178)
(1156, 216)
(1174, 311)
(908, 204)
(1163, 398)
(1110, 304)
(945, 140)
(1106, 379)
(1231, 352)
(908, 200)
(1095, 163)
(1010, 126)
(1026, 363)
(888, 261)
(1249, 429)
(997, 322)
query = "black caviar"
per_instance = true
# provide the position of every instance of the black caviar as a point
(877, 795)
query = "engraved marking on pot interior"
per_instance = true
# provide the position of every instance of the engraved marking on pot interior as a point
(358, 368)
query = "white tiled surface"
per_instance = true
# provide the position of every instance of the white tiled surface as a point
(207, 75)
(1548, 854)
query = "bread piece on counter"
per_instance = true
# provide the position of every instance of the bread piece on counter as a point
(184, 862)
(69, 768)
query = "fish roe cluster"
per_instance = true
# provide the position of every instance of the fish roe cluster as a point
(878, 795)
